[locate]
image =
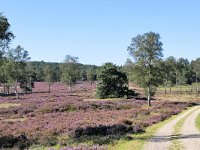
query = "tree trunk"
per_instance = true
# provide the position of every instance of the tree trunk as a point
(31, 85)
(31, 90)
(70, 88)
(165, 90)
(8, 88)
(176, 83)
(4, 88)
(26, 88)
(170, 89)
(16, 91)
(149, 96)
(197, 89)
(49, 87)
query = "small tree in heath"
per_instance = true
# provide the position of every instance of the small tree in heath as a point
(70, 71)
(113, 83)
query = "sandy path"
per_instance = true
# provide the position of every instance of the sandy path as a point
(190, 135)
(164, 136)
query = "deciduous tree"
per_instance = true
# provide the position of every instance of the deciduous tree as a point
(5, 34)
(196, 68)
(15, 66)
(70, 71)
(91, 75)
(49, 76)
(146, 50)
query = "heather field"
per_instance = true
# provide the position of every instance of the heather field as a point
(76, 119)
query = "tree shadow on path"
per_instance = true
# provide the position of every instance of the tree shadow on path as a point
(174, 137)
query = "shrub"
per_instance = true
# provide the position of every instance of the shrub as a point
(101, 130)
(21, 142)
(113, 83)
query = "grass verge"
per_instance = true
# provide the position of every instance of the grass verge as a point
(197, 122)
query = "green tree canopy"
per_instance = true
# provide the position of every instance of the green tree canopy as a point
(70, 70)
(91, 74)
(147, 50)
(48, 76)
(15, 67)
(5, 34)
(113, 83)
(183, 68)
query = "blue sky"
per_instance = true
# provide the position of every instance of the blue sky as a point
(99, 31)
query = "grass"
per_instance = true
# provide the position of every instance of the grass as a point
(176, 144)
(179, 88)
(178, 97)
(138, 140)
(7, 105)
(187, 93)
(43, 148)
(14, 120)
(197, 122)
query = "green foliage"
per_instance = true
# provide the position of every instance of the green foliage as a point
(70, 70)
(15, 66)
(182, 68)
(129, 69)
(195, 65)
(197, 122)
(169, 69)
(48, 74)
(112, 82)
(37, 70)
(5, 34)
(147, 50)
(21, 142)
(91, 74)
(152, 91)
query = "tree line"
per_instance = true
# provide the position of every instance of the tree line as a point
(148, 69)
(17, 71)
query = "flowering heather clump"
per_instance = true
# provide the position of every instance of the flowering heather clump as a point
(43, 117)
(95, 147)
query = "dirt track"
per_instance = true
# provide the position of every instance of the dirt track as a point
(189, 138)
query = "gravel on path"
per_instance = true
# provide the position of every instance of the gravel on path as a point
(164, 136)
(190, 135)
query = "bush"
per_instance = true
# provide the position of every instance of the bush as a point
(102, 130)
(113, 83)
(21, 142)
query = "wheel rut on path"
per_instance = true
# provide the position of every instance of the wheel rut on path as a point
(164, 136)
(190, 135)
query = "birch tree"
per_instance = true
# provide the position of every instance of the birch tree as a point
(147, 50)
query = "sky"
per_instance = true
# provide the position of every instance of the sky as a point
(99, 31)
